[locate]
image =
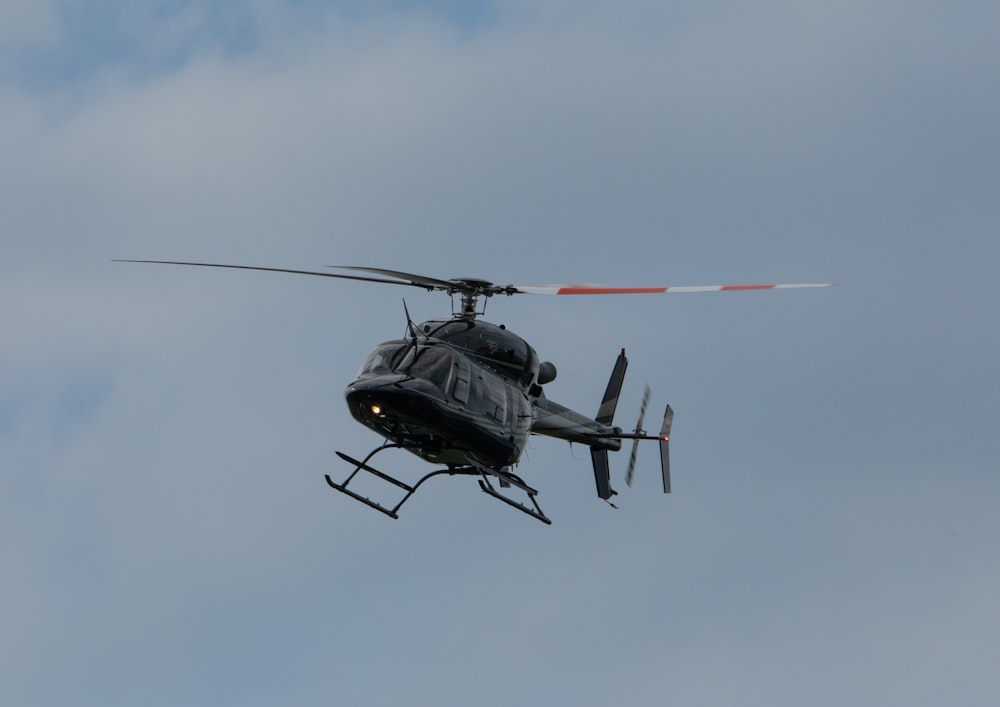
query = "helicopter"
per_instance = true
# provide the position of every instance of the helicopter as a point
(466, 395)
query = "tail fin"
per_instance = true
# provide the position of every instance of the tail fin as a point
(605, 415)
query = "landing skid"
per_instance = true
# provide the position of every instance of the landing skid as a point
(506, 480)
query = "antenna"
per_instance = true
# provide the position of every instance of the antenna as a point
(409, 322)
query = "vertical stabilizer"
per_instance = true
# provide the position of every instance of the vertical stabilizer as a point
(602, 473)
(606, 413)
(668, 421)
(605, 416)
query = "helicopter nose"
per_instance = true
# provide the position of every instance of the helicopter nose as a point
(375, 400)
(377, 382)
(369, 404)
(373, 397)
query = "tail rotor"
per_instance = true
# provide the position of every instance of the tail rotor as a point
(640, 434)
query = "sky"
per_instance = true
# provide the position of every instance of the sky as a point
(166, 535)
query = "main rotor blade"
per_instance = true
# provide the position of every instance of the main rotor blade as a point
(417, 280)
(600, 290)
(296, 272)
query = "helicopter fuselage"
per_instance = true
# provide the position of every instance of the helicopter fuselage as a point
(434, 394)
(463, 391)
(444, 419)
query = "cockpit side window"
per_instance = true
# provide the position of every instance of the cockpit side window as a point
(432, 363)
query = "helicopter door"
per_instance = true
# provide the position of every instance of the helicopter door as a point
(494, 397)
(463, 374)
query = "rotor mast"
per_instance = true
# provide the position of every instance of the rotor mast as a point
(470, 306)
(471, 289)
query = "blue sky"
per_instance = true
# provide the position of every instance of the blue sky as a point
(68, 43)
(167, 536)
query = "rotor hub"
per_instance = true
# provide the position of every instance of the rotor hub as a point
(471, 289)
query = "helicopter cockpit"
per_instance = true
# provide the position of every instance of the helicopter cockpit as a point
(496, 347)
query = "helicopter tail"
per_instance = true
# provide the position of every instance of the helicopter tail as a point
(605, 415)
(599, 454)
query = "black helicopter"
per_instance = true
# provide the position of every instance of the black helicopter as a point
(465, 394)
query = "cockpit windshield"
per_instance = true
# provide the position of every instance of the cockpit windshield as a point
(430, 363)
(383, 359)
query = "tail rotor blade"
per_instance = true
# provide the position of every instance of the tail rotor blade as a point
(631, 463)
(635, 443)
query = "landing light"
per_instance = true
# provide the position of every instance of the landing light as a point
(376, 409)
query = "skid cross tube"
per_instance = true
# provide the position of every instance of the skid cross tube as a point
(473, 469)
(536, 512)
(410, 490)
